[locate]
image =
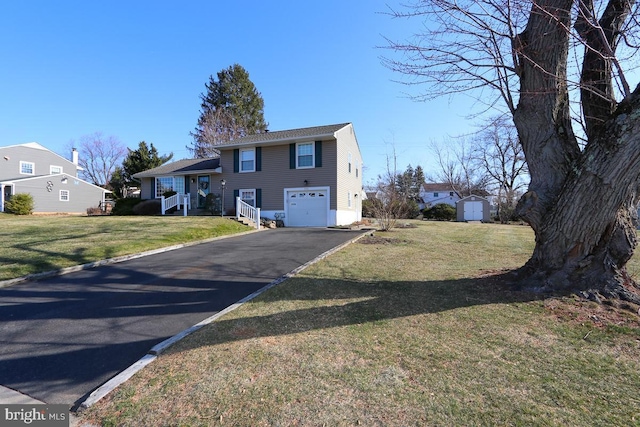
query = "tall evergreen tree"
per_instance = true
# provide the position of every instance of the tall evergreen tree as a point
(231, 108)
(409, 183)
(145, 157)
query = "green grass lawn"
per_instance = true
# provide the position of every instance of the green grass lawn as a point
(408, 328)
(36, 244)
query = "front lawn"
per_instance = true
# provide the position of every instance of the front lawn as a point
(35, 244)
(406, 328)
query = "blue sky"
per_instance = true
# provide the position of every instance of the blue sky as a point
(135, 70)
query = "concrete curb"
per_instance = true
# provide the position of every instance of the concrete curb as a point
(115, 260)
(156, 350)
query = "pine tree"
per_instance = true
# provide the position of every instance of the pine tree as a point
(139, 160)
(231, 108)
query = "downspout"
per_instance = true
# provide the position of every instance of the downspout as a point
(1, 197)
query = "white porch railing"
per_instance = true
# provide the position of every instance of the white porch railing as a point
(245, 210)
(177, 199)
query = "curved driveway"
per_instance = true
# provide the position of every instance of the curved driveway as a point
(62, 337)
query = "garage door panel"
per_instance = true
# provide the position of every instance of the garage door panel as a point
(307, 208)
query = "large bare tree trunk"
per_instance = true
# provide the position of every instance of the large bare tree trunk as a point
(580, 204)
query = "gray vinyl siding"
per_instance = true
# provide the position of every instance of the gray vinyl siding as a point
(10, 158)
(276, 175)
(147, 188)
(82, 195)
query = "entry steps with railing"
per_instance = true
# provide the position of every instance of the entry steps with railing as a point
(177, 200)
(247, 213)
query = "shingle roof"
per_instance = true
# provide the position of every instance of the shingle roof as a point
(181, 167)
(291, 134)
(437, 186)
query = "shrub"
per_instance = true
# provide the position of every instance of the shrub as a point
(369, 207)
(412, 210)
(213, 204)
(125, 206)
(20, 204)
(148, 207)
(440, 212)
(95, 210)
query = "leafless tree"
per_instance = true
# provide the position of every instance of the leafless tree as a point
(458, 168)
(99, 156)
(389, 205)
(500, 155)
(215, 127)
(559, 67)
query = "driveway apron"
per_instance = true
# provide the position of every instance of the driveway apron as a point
(62, 337)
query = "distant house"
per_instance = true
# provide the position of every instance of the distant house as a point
(308, 177)
(434, 193)
(51, 180)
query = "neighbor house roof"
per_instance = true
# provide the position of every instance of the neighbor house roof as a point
(183, 167)
(437, 187)
(51, 177)
(310, 133)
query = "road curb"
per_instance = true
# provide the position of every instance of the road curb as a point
(156, 350)
(115, 260)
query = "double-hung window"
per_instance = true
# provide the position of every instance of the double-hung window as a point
(248, 160)
(54, 170)
(305, 155)
(27, 168)
(64, 195)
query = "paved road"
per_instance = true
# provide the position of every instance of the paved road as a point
(62, 337)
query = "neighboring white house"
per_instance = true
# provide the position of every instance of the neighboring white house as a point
(434, 193)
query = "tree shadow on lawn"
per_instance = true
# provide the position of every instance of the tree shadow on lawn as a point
(308, 304)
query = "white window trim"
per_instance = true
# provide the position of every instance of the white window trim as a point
(246, 150)
(253, 190)
(65, 192)
(51, 171)
(313, 155)
(349, 162)
(174, 185)
(33, 168)
(349, 204)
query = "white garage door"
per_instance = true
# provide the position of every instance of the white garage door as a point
(473, 211)
(307, 208)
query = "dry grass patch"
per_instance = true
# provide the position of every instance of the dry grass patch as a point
(410, 333)
(35, 244)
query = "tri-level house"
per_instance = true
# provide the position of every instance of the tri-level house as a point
(51, 180)
(309, 177)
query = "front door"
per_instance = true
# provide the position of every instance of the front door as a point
(203, 190)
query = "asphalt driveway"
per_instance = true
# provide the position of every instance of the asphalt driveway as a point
(62, 337)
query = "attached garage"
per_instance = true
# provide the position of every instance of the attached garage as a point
(306, 207)
(473, 208)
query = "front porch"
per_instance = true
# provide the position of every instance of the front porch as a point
(244, 212)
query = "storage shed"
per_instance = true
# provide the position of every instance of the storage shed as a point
(473, 208)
